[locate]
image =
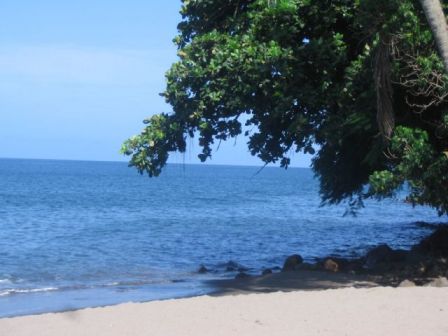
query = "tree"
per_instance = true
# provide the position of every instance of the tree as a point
(357, 83)
(437, 21)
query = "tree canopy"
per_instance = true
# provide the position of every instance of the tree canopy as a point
(359, 84)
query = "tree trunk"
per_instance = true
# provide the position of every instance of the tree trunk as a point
(383, 85)
(437, 21)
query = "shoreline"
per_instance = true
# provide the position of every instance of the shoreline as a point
(279, 281)
(38, 303)
(325, 298)
(344, 311)
(380, 267)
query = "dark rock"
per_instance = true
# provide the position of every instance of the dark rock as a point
(421, 269)
(331, 265)
(436, 244)
(292, 262)
(306, 267)
(426, 225)
(380, 254)
(266, 271)
(436, 267)
(232, 266)
(352, 266)
(202, 270)
(399, 256)
(335, 264)
(242, 275)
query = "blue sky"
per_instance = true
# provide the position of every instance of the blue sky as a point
(78, 77)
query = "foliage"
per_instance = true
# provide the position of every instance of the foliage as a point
(301, 75)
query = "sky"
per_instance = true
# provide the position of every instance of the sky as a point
(78, 78)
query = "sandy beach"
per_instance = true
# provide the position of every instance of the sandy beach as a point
(347, 311)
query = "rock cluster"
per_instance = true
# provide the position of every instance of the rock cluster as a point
(425, 264)
(426, 261)
(292, 263)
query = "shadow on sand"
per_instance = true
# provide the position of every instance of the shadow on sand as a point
(291, 281)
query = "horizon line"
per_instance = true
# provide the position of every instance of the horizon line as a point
(169, 163)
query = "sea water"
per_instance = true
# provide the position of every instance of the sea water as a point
(78, 234)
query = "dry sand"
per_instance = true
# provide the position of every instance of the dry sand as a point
(381, 311)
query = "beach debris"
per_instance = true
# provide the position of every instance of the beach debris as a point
(331, 265)
(292, 263)
(407, 283)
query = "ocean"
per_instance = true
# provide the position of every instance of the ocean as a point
(77, 234)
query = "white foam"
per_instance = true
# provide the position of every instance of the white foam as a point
(25, 291)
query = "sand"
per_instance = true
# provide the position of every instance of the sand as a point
(348, 311)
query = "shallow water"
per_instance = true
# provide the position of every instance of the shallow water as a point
(76, 234)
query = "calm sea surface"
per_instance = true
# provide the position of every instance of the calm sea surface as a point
(78, 234)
